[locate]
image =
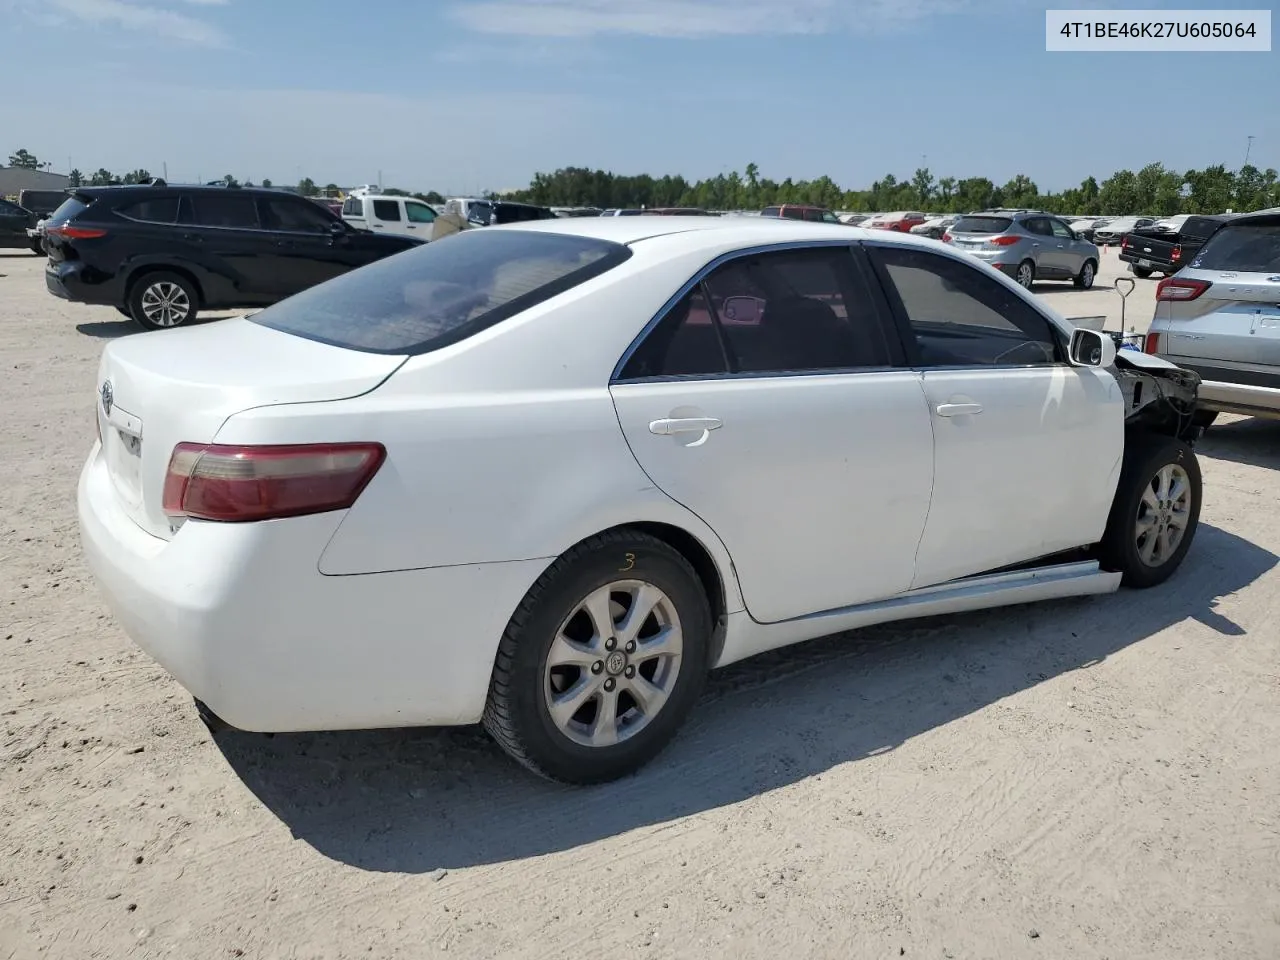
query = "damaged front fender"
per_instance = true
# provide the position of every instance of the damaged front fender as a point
(1159, 396)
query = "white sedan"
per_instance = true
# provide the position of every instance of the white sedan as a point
(545, 476)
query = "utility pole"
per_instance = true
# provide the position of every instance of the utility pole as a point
(1247, 150)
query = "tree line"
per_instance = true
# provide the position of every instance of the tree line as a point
(1155, 190)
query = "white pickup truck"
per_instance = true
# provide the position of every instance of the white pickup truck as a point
(404, 216)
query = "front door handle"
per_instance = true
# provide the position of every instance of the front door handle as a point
(958, 409)
(667, 428)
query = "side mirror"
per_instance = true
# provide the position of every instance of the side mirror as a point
(1092, 348)
(339, 228)
(742, 310)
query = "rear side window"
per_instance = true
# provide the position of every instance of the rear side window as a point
(443, 292)
(1244, 247)
(771, 212)
(157, 210)
(794, 311)
(297, 216)
(353, 207)
(214, 210)
(982, 225)
(387, 210)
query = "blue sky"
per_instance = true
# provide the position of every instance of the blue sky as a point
(463, 95)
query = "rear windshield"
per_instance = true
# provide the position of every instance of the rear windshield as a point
(982, 225)
(438, 294)
(1245, 247)
(70, 208)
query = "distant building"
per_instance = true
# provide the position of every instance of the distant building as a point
(14, 180)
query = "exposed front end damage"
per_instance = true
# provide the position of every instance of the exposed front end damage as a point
(1160, 396)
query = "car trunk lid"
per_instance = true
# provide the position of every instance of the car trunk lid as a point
(157, 390)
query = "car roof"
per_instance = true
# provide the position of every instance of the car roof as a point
(1268, 217)
(713, 231)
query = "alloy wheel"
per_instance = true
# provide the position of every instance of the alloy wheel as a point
(1163, 515)
(165, 304)
(613, 663)
(1026, 274)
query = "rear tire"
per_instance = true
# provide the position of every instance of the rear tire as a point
(1026, 274)
(1084, 279)
(37, 248)
(1156, 510)
(162, 299)
(561, 698)
(1142, 273)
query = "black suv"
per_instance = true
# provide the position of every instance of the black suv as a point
(160, 253)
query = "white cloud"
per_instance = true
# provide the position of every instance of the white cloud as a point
(154, 18)
(695, 18)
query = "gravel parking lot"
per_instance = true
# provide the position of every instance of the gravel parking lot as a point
(1083, 779)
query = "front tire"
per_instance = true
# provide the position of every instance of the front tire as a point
(1084, 279)
(162, 300)
(602, 661)
(1156, 510)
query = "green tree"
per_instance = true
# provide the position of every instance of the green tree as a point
(137, 176)
(75, 178)
(103, 178)
(1021, 191)
(229, 180)
(307, 187)
(974, 193)
(332, 189)
(923, 184)
(1212, 190)
(266, 182)
(24, 160)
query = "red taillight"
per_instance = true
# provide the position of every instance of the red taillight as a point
(1177, 253)
(236, 484)
(946, 237)
(1179, 289)
(1151, 344)
(75, 233)
(1124, 243)
(1003, 241)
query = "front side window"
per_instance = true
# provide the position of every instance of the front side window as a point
(297, 216)
(961, 317)
(791, 311)
(419, 212)
(353, 207)
(216, 210)
(442, 292)
(386, 210)
(1061, 230)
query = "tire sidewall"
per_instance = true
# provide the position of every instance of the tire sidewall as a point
(160, 276)
(641, 560)
(1150, 456)
(1032, 274)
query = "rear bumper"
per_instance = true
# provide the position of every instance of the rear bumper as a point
(1253, 401)
(74, 280)
(240, 615)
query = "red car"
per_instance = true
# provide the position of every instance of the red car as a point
(902, 221)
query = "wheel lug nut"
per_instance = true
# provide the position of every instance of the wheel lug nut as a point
(631, 646)
(611, 643)
(630, 672)
(609, 684)
(597, 666)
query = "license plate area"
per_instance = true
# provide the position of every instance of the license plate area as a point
(1144, 263)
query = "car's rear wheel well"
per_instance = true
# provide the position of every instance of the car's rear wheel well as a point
(692, 549)
(142, 272)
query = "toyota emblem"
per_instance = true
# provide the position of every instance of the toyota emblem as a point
(108, 397)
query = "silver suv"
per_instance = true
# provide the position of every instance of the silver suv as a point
(1220, 316)
(1027, 246)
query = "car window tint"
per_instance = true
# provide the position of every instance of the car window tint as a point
(153, 210)
(960, 316)
(1037, 225)
(419, 212)
(353, 207)
(387, 210)
(685, 343)
(295, 215)
(214, 210)
(442, 292)
(1060, 229)
(982, 224)
(1245, 247)
(796, 310)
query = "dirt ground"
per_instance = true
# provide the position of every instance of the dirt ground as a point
(1085, 779)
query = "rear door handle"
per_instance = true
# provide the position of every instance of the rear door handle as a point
(667, 428)
(958, 409)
